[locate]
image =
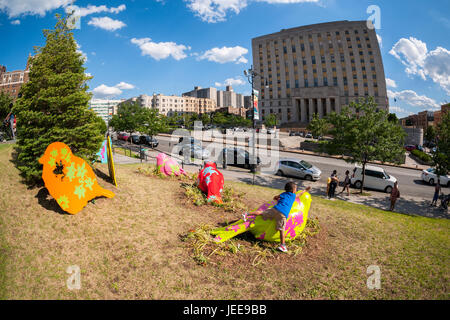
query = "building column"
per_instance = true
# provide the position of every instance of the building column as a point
(328, 105)
(320, 107)
(302, 111)
(311, 109)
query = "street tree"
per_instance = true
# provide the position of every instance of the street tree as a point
(5, 105)
(430, 134)
(441, 157)
(318, 126)
(362, 133)
(54, 104)
(151, 122)
(271, 120)
(128, 117)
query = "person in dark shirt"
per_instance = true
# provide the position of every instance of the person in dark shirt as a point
(437, 191)
(346, 183)
(333, 184)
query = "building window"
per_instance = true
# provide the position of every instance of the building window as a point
(293, 48)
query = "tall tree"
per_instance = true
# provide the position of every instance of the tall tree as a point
(364, 134)
(54, 104)
(151, 122)
(441, 157)
(271, 120)
(318, 126)
(128, 117)
(5, 105)
(430, 134)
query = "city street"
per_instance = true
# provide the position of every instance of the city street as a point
(410, 182)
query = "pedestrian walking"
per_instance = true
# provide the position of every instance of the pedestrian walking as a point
(395, 194)
(346, 183)
(437, 191)
(333, 184)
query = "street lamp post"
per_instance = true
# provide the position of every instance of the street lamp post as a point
(251, 74)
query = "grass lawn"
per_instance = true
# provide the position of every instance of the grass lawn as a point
(129, 247)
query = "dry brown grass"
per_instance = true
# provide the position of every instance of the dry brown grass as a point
(129, 247)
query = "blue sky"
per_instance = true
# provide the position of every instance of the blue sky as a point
(169, 46)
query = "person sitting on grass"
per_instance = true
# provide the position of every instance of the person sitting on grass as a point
(280, 212)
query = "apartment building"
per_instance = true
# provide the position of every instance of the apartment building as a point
(170, 105)
(104, 108)
(318, 69)
(12, 81)
(222, 98)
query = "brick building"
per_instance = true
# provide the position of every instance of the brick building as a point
(12, 81)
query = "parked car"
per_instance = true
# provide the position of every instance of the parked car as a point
(308, 136)
(123, 136)
(375, 178)
(195, 151)
(429, 176)
(298, 168)
(239, 157)
(134, 139)
(410, 147)
(148, 141)
(189, 140)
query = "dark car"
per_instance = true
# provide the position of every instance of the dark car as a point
(410, 147)
(239, 157)
(148, 141)
(134, 139)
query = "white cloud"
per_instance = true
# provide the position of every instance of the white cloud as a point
(90, 9)
(212, 11)
(84, 55)
(107, 23)
(414, 55)
(399, 110)
(15, 22)
(124, 86)
(103, 91)
(391, 83)
(161, 50)
(237, 81)
(225, 54)
(380, 40)
(412, 98)
(15, 8)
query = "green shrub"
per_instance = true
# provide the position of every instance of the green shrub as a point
(422, 155)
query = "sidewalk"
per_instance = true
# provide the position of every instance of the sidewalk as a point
(405, 205)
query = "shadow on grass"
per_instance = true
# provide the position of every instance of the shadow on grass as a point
(100, 174)
(48, 203)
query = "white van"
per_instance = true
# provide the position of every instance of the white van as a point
(375, 178)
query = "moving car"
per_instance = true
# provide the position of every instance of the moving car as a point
(189, 140)
(298, 168)
(239, 157)
(375, 178)
(429, 176)
(148, 141)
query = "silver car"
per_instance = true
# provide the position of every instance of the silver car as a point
(298, 168)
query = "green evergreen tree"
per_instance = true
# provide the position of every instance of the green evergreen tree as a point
(54, 104)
